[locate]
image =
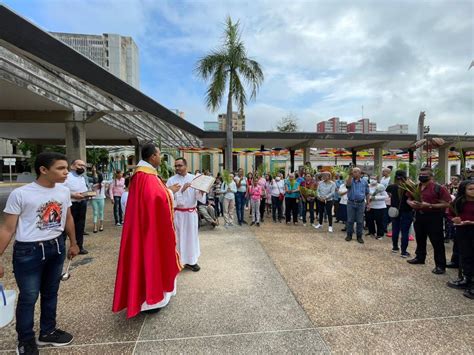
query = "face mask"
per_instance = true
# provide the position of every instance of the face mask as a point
(373, 181)
(365, 178)
(423, 178)
(277, 178)
(79, 171)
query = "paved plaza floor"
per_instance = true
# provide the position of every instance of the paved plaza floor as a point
(272, 289)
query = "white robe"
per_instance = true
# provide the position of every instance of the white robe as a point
(166, 295)
(186, 223)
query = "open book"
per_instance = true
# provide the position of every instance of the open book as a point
(203, 183)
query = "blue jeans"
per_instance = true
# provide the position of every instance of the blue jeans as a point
(355, 214)
(118, 214)
(37, 270)
(401, 224)
(240, 205)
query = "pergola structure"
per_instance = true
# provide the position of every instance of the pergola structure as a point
(52, 94)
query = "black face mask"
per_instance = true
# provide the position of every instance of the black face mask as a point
(79, 171)
(423, 178)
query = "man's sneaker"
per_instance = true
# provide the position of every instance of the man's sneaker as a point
(318, 226)
(27, 348)
(118, 224)
(379, 237)
(56, 338)
(405, 254)
(395, 250)
(330, 229)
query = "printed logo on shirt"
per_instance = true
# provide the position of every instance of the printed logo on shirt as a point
(49, 215)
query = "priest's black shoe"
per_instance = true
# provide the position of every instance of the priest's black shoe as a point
(360, 240)
(194, 267)
(415, 261)
(460, 284)
(438, 270)
(451, 265)
(469, 293)
(152, 311)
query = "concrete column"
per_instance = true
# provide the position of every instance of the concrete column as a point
(76, 140)
(307, 155)
(138, 153)
(354, 157)
(292, 160)
(378, 161)
(443, 164)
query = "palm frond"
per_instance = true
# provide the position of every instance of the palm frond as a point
(252, 74)
(238, 92)
(217, 88)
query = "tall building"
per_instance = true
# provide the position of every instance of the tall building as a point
(362, 126)
(398, 128)
(333, 125)
(238, 121)
(118, 54)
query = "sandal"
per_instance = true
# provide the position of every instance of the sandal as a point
(94, 231)
(101, 229)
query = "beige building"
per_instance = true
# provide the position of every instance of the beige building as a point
(238, 121)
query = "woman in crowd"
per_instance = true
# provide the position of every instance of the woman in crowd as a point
(462, 216)
(229, 190)
(98, 201)
(308, 190)
(342, 210)
(277, 191)
(255, 194)
(218, 197)
(262, 183)
(401, 214)
(247, 195)
(292, 195)
(116, 189)
(268, 194)
(326, 190)
(376, 208)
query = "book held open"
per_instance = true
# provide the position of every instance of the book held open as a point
(203, 183)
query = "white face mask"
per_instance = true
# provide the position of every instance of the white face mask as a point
(277, 178)
(373, 181)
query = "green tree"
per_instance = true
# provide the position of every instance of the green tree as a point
(288, 123)
(225, 68)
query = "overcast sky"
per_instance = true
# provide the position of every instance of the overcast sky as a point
(320, 58)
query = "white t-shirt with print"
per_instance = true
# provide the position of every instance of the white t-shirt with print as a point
(42, 211)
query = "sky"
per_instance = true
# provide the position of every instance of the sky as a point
(320, 59)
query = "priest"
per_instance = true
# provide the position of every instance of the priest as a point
(148, 263)
(186, 215)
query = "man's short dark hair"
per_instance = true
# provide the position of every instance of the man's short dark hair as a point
(428, 170)
(183, 160)
(47, 159)
(148, 150)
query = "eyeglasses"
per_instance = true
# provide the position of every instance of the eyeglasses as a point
(178, 166)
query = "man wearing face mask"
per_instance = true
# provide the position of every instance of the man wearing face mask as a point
(429, 215)
(76, 183)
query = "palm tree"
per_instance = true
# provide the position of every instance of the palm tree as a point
(224, 68)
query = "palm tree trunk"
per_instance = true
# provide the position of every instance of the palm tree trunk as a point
(229, 133)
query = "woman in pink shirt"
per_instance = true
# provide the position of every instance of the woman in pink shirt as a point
(255, 192)
(116, 190)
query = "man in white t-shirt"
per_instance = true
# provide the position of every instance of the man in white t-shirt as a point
(38, 214)
(76, 183)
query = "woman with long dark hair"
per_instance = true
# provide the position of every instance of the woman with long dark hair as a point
(462, 215)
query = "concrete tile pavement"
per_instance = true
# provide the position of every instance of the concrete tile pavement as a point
(363, 298)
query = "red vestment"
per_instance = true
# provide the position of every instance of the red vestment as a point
(148, 262)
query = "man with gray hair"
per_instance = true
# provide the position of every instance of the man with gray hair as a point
(358, 193)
